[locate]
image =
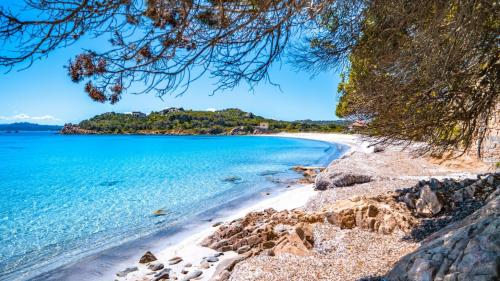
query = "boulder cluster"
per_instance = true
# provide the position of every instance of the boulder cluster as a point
(465, 249)
(430, 206)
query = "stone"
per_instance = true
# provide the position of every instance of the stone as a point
(212, 259)
(428, 203)
(174, 260)
(328, 179)
(126, 271)
(164, 274)
(193, 275)
(147, 257)
(156, 266)
(243, 249)
(188, 264)
(204, 264)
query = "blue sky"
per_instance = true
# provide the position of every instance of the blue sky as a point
(44, 94)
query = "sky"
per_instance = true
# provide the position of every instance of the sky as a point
(44, 94)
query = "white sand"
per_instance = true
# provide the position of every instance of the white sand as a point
(294, 197)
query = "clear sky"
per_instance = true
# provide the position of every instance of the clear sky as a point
(44, 94)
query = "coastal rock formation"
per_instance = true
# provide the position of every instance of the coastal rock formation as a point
(260, 230)
(465, 250)
(71, 129)
(330, 179)
(309, 173)
(381, 214)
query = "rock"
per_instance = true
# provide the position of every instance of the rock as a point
(159, 212)
(243, 249)
(378, 148)
(217, 224)
(188, 264)
(147, 257)
(174, 260)
(164, 274)
(184, 271)
(156, 266)
(124, 273)
(381, 214)
(192, 275)
(232, 179)
(467, 249)
(428, 204)
(328, 179)
(204, 264)
(212, 259)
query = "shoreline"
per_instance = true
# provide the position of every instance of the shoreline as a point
(103, 265)
(291, 198)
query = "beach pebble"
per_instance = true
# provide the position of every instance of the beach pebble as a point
(188, 264)
(212, 259)
(147, 257)
(205, 265)
(217, 224)
(184, 271)
(174, 260)
(124, 273)
(218, 254)
(156, 266)
(164, 274)
(192, 275)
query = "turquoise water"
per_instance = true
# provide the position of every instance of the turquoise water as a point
(63, 197)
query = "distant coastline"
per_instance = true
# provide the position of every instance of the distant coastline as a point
(26, 126)
(177, 121)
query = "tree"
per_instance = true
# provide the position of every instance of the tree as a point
(426, 71)
(417, 70)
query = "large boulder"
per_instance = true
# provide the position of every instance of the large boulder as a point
(331, 179)
(428, 204)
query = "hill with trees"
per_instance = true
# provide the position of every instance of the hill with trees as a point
(191, 122)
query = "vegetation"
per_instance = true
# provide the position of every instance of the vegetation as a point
(416, 71)
(199, 122)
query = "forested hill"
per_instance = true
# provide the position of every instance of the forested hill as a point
(182, 122)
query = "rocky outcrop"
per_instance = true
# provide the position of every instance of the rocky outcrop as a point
(465, 250)
(309, 173)
(381, 214)
(260, 230)
(71, 129)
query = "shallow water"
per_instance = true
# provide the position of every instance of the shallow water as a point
(66, 197)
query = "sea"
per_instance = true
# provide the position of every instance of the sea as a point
(65, 198)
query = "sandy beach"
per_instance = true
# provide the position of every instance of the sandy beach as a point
(392, 169)
(293, 197)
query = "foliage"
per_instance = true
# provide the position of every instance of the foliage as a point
(425, 71)
(197, 122)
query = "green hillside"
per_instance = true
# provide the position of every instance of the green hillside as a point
(179, 121)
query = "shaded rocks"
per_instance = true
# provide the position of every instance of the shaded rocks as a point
(464, 250)
(147, 257)
(126, 271)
